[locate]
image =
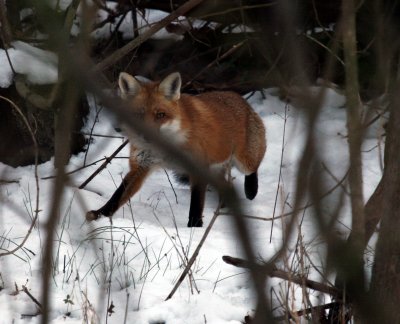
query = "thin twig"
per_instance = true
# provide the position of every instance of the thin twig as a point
(325, 47)
(183, 256)
(110, 19)
(107, 161)
(280, 170)
(195, 254)
(85, 167)
(26, 291)
(233, 49)
(91, 131)
(173, 189)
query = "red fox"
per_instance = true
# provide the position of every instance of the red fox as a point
(218, 128)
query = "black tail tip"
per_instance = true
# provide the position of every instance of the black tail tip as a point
(182, 178)
(251, 185)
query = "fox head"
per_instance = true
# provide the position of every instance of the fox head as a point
(156, 103)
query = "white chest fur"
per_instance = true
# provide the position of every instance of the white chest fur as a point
(148, 154)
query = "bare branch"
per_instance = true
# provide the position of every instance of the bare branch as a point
(120, 53)
(104, 164)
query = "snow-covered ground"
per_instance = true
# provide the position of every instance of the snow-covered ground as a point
(134, 261)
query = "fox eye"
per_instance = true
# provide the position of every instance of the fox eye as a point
(160, 115)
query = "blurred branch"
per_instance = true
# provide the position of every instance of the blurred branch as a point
(353, 118)
(70, 86)
(6, 33)
(354, 272)
(62, 154)
(385, 281)
(70, 16)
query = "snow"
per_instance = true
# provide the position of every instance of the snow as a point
(135, 260)
(39, 66)
(60, 5)
(6, 74)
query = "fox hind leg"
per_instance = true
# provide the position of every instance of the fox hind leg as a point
(198, 194)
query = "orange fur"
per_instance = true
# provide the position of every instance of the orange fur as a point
(217, 125)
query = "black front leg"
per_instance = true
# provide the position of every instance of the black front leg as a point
(197, 205)
(111, 206)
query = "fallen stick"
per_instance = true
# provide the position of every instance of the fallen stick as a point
(26, 291)
(275, 273)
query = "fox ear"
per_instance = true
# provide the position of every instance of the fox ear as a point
(128, 84)
(171, 86)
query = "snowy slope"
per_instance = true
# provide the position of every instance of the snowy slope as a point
(140, 255)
